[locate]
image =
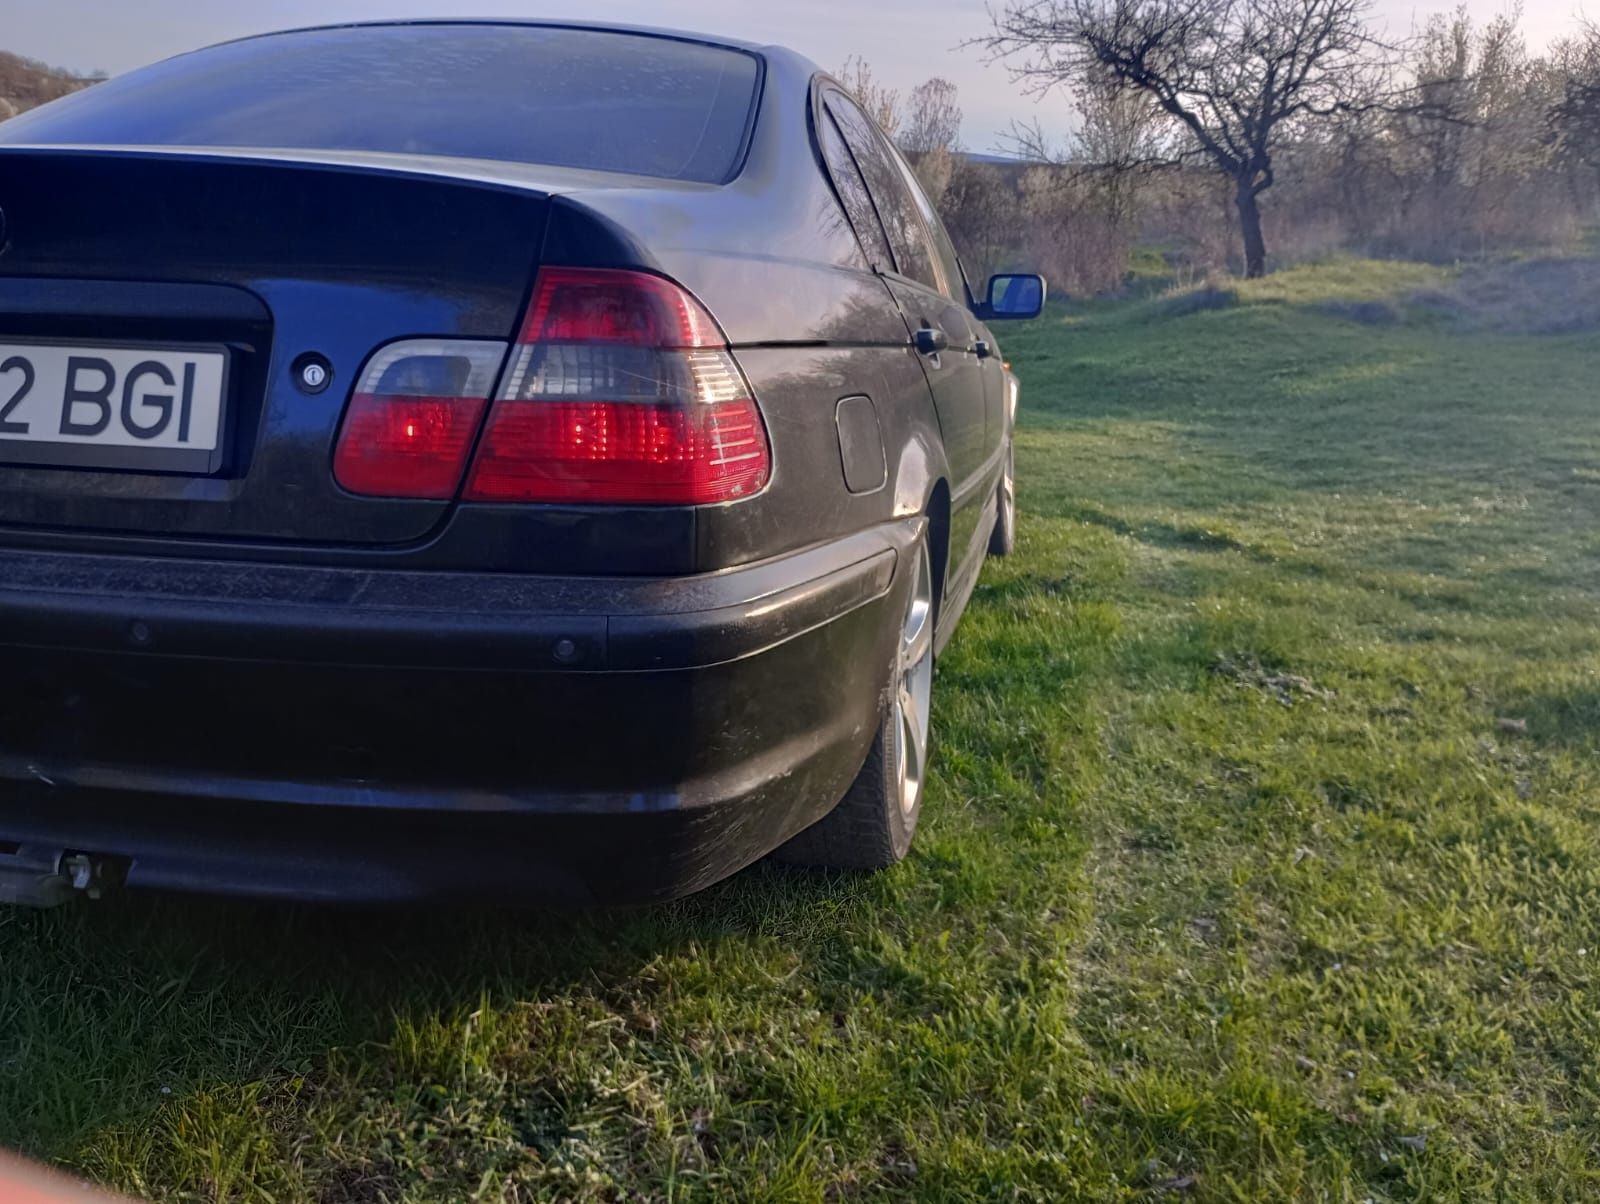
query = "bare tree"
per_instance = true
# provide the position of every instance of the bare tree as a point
(881, 103)
(930, 135)
(932, 119)
(1239, 77)
(1101, 174)
(1574, 119)
(1119, 125)
(1441, 66)
(1477, 132)
(26, 82)
(1122, 135)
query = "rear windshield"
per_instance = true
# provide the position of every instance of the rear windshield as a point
(526, 94)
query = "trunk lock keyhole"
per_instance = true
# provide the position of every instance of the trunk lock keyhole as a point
(312, 372)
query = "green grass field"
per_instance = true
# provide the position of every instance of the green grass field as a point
(1262, 858)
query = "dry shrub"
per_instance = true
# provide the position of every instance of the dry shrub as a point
(983, 212)
(1076, 244)
(1189, 216)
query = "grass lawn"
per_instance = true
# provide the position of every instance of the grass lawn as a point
(1261, 860)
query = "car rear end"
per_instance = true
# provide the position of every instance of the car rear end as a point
(348, 520)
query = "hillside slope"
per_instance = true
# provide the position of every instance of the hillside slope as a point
(26, 82)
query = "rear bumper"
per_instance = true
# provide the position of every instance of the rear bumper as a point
(321, 615)
(335, 733)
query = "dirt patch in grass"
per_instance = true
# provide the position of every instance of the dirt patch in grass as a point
(1248, 673)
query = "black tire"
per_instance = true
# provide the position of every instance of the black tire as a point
(867, 830)
(1003, 536)
(872, 827)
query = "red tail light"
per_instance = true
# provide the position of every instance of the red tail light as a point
(620, 389)
(620, 451)
(590, 305)
(412, 420)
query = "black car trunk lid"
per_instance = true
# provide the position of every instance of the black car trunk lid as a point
(277, 260)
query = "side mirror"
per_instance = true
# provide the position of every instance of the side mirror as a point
(1014, 295)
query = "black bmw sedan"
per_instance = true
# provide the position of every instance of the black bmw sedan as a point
(449, 459)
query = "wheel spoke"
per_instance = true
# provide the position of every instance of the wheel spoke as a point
(912, 689)
(916, 742)
(909, 709)
(918, 638)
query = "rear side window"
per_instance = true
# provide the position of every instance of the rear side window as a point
(520, 93)
(907, 236)
(947, 261)
(853, 194)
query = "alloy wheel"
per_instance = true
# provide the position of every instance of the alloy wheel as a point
(1008, 486)
(914, 686)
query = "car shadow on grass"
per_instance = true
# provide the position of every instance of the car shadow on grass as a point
(108, 1011)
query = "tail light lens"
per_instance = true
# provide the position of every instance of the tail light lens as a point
(620, 388)
(416, 410)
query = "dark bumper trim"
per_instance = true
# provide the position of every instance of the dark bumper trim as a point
(359, 617)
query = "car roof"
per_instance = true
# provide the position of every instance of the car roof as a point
(649, 31)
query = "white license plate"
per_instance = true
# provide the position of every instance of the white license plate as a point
(156, 408)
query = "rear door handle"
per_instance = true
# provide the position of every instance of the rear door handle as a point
(931, 340)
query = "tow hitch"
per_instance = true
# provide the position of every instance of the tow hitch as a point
(38, 876)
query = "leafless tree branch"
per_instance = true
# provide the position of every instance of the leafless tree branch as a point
(1236, 78)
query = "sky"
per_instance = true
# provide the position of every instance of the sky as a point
(905, 41)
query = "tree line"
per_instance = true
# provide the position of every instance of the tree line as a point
(1243, 134)
(1236, 135)
(25, 83)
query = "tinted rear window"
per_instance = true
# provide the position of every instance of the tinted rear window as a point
(527, 94)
